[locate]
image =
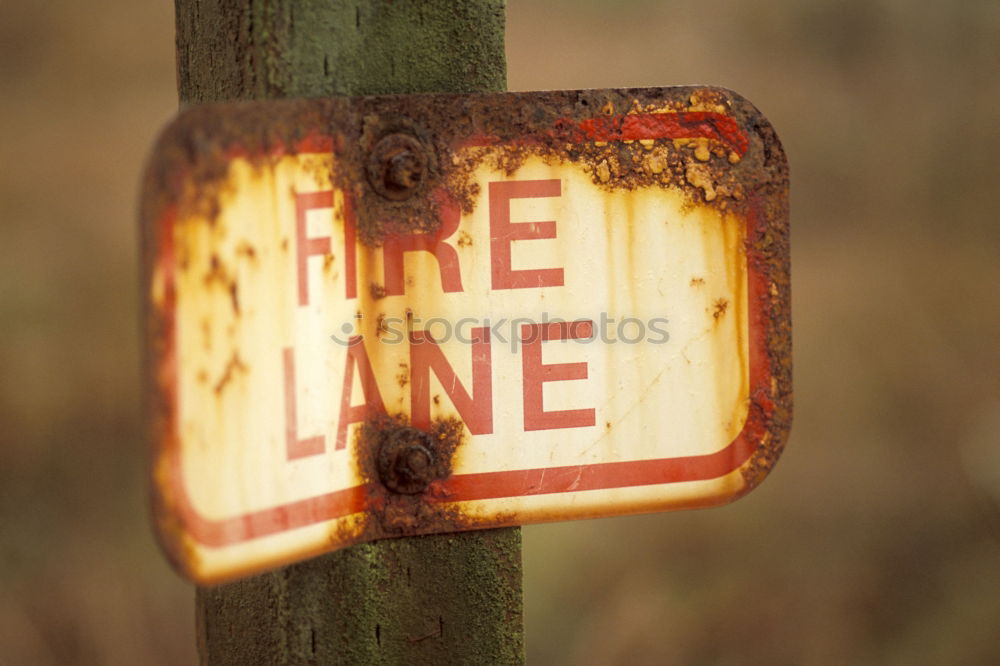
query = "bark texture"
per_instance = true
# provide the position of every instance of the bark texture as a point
(256, 49)
(443, 599)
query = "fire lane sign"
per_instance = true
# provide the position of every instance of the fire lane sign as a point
(374, 317)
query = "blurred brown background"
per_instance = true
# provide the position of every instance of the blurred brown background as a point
(876, 539)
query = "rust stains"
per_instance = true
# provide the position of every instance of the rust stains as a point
(219, 274)
(381, 327)
(234, 366)
(247, 251)
(234, 297)
(699, 176)
(403, 469)
(708, 143)
(403, 376)
(215, 273)
(719, 308)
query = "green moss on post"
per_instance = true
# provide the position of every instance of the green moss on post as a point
(256, 49)
(443, 599)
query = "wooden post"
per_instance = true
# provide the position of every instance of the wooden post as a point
(444, 599)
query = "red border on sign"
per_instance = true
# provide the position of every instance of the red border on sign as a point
(515, 483)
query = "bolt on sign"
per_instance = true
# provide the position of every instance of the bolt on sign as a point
(375, 317)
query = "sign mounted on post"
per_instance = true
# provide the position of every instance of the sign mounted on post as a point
(374, 317)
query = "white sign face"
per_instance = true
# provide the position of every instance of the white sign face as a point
(569, 341)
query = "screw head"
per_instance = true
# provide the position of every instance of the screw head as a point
(405, 461)
(397, 166)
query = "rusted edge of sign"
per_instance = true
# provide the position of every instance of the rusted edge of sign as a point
(709, 143)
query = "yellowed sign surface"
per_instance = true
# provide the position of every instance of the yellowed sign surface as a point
(599, 349)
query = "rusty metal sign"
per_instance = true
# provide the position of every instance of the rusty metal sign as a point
(376, 317)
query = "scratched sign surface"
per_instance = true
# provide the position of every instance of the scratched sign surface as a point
(376, 317)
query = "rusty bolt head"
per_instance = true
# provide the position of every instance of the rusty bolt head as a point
(405, 461)
(397, 166)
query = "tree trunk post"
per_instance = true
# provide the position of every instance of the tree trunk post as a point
(442, 599)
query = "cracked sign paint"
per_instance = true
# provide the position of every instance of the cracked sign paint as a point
(584, 304)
